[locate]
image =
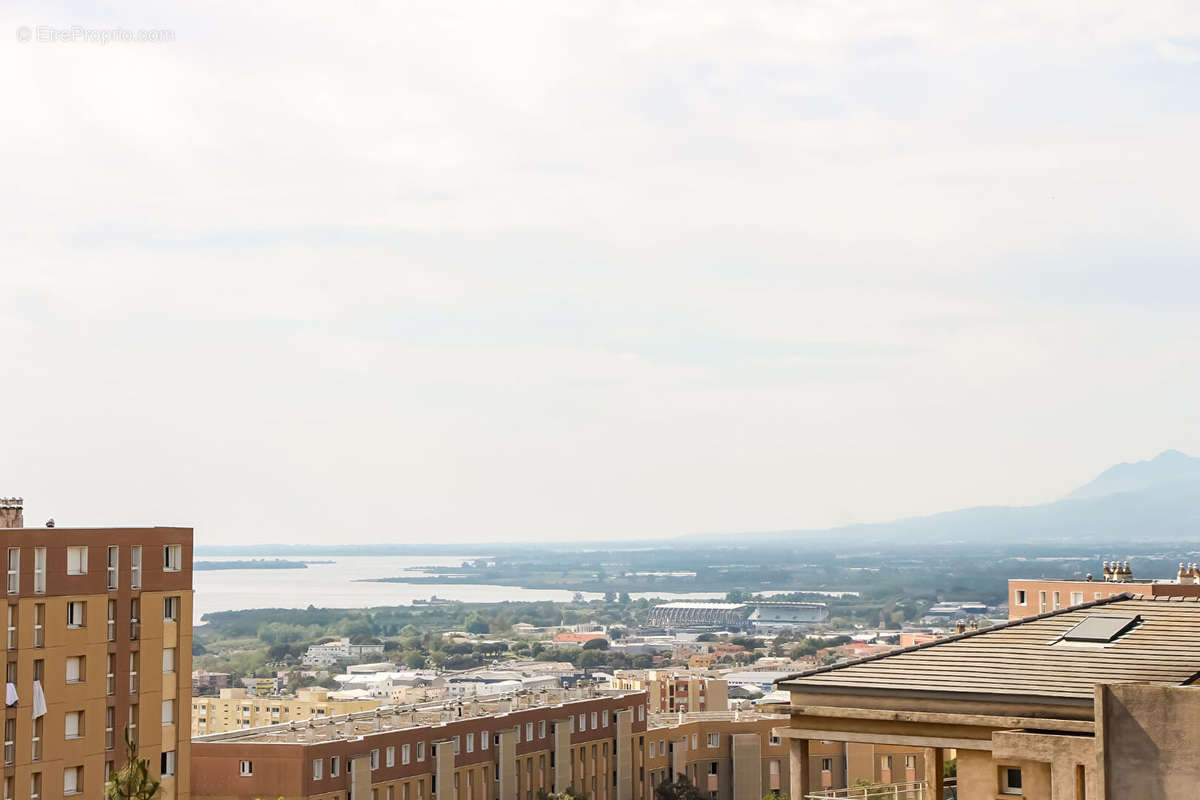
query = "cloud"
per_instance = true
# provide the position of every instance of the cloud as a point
(580, 270)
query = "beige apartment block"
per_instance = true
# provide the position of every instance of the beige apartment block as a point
(234, 710)
(99, 636)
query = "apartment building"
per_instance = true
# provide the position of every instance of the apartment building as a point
(673, 690)
(505, 748)
(330, 653)
(1095, 701)
(1028, 597)
(99, 636)
(235, 710)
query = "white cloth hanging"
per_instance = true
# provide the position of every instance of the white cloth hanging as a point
(10, 695)
(39, 700)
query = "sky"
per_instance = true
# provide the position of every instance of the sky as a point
(441, 272)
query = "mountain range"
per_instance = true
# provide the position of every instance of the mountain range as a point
(1145, 501)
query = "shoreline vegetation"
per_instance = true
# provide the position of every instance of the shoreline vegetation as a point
(255, 563)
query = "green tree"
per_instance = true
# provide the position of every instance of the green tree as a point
(132, 781)
(596, 644)
(681, 789)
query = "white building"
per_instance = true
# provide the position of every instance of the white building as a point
(324, 655)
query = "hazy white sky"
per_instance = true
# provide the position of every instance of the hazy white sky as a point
(367, 272)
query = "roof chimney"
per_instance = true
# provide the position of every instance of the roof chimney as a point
(12, 514)
(1184, 572)
(1107, 572)
(960, 627)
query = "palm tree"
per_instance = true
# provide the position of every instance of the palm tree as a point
(132, 781)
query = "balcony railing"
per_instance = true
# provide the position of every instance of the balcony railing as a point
(909, 790)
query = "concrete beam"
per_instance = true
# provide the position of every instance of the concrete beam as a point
(802, 734)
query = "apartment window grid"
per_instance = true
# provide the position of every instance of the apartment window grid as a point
(77, 560)
(114, 564)
(110, 725)
(39, 624)
(76, 614)
(39, 570)
(14, 570)
(38, 729)
(135, 566)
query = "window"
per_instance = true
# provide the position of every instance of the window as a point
(582, 723)
(484, 739)
(529, 731)
(74, 724)
(1022, 597)
(35, 786)
(335, 764)
(14, 570)
(77, 561)
(72, 780)
(110, 674)
(39, 670)
(1076, 598)
(375, 759)
(114, 561)
(168, 712)
(133, 722)
(390, 757)
(1100, 628)
(135, 566)
(12, 627)
(39, 624)
(172, 558)
(170, 609)
(594, 725)
(773, 739)
(542, 729)
(135, 617)
(111, 630)
(1058, 599)
(1042, 601)
(38, 729)
(641, 713)
(420, 751)
(75, 667)
(10, 740)
(714, 740)
(457, 744)
(246, 768)
(168, 660)
(110, 725)
(39, 570)
(1010, 780)
(826, 766)
(405, 753)
(76, 613)
(695, 741)
(470, 743)
(317, 764)
(653, 752)
(133, 672)
(167, 763)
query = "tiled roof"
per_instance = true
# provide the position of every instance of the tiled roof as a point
(1026, 657)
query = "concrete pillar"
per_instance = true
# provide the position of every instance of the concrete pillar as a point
(443, 754)
(562, 754)
(935, 768)
(678, 759)
(747, 766)
(800, 768)
(624, 755)
(360, 778)
(507, 755)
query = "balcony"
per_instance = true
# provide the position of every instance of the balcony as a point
(909, 790)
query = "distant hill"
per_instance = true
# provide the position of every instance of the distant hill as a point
(1167, 467)
(1147, 501)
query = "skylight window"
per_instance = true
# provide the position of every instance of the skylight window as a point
(1100, 628)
